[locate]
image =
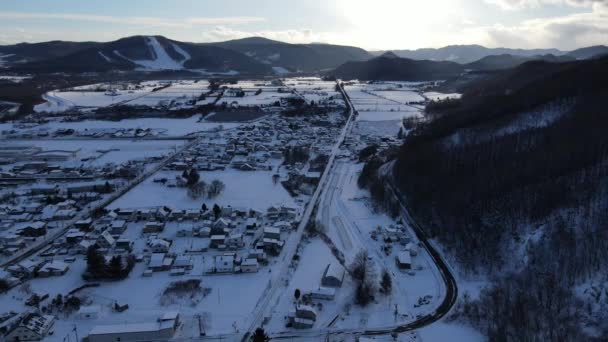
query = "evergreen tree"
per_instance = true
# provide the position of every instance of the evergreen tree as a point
(95, 262)
(386, 283)
(260, 336)
(115, 269)
(217, 211)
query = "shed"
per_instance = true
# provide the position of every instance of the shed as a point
(333, 276)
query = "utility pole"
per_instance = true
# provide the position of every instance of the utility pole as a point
(76, 332)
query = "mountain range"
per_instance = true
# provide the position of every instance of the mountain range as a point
(261, 56)
(465, 54)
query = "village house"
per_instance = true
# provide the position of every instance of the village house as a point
(159, 245)
(125, 244)
(249, 265)
(105, 240)
(224, 264)
(53, 268)
(154, 227)
(33, 327)
(34, 229)
(118, 227)
(272, 233)
(217, 241)
(160, 262)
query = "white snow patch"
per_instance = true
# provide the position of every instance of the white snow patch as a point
(275, 57)
(53, 104)
(280, 70)
(182, 52)
(108, 59)
(2, 61)
(161, 60)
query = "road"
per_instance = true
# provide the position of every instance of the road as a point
(451, 293)
(278, 277)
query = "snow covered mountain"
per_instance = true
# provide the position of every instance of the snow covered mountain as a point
(148, 53)
(154, 53)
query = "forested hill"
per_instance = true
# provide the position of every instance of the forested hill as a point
(513, 181)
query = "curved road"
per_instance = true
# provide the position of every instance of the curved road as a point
(451, 286)
(451, 294)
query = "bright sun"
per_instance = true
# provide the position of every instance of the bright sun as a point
(384, 23)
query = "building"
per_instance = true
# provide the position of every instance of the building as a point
(118, 227)
(250, 265)
(154, 227)
(159, 262)
(105, 240)
(272, 233)
(333, 276)
(217, 240)
(161, 330)
(323, 293)
(159, 245)
(303, 317)
(33, 327)
(404, 260)
(53, 268)
(224, 264)
(34, 229)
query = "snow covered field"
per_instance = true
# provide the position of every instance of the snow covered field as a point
(179, 91)
(246, 189)
(435, 96)
(100, 152)
(387, 116)
(136, 94)
(169, 126)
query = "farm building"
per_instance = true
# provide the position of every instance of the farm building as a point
(404, 260)
(161, 330)
(34, 327)
(333, 276)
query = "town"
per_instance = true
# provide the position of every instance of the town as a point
(239, 210)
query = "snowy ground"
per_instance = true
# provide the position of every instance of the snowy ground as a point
(170, 127)
(441, 331)
(179, 91)
(253, 189)
(100, 152)
(435, 96)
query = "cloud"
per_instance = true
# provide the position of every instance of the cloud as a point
(523, 4)
(295, 36)
(564, 32)
(181, 23)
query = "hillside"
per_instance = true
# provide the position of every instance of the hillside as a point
(497, 62)
(148, 53)
(589, 52)
(295, 57)
(388, 68)
(25, 52)
(511, 180)
(464, 54)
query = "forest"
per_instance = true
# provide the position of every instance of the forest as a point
(519, 199)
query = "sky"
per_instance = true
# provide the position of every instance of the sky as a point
(370, 24)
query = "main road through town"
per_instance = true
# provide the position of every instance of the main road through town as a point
(278, 279)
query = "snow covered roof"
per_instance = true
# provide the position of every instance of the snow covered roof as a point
(334, 271)
(124, 328)
(404, 257)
